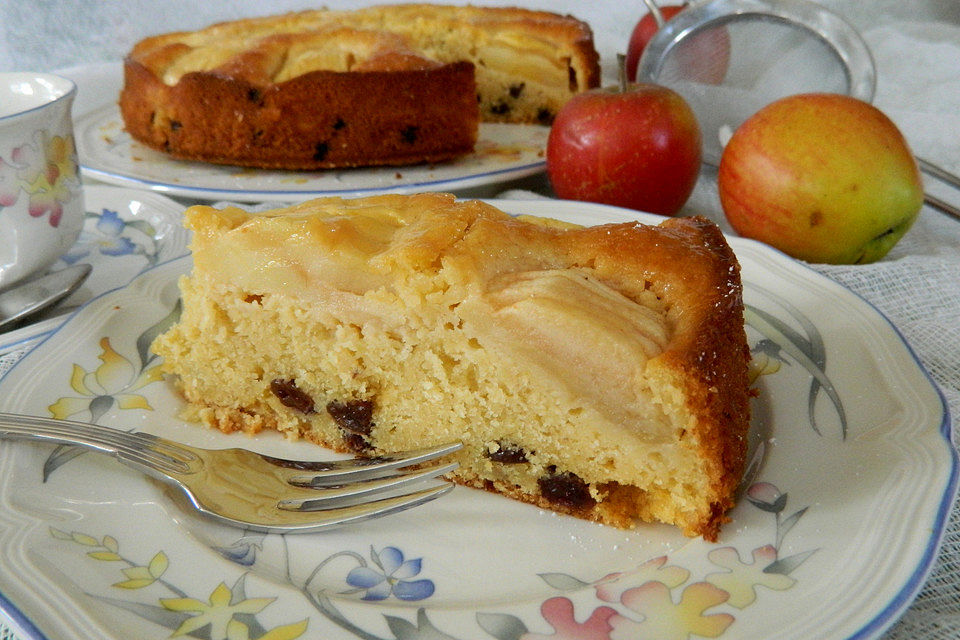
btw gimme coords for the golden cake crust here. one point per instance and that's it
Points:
(542, 324)
(391, 85)
(687, 263)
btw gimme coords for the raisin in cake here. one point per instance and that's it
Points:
(599, 372)
(387, 85)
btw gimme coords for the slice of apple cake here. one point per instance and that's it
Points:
(599, 372)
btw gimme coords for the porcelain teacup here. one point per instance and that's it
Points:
(41, 202)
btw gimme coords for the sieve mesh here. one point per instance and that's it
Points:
(729, 58)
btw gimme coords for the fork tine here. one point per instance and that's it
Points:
(341, 471)
(297, 522)
(332, 496)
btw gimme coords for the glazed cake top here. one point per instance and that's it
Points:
(277, 48)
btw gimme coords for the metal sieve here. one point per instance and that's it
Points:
(729, 58)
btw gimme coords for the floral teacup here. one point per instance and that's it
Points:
(41, 203)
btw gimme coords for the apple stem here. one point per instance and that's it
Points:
(655, 12)
(622, 72)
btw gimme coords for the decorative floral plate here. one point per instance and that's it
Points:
(504, 152)
(840, 518)
(124, 233)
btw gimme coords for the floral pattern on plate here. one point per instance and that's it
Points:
(869, 479)
(654, 601)
(125, 232)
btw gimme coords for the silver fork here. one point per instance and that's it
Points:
(255, 491)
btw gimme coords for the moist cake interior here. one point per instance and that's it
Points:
(598, 372)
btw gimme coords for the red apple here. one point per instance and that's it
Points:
(642, 33)
(700, 57)
(823, 177)
(637, 146)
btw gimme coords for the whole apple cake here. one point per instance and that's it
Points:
(385, 85)
(598, 372)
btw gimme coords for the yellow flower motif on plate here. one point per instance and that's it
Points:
(741, 578)
(219, 613)
(216, 617)
(236, 630)
(111, 383)
(665, 620)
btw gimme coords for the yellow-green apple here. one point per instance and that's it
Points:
(701, 57)
(635, 146)
(822, 177)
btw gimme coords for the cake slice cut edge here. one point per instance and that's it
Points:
(599, 372)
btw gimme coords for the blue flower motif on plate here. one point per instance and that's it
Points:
(390, 577)
(112, 236)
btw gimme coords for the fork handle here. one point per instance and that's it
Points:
(20, 427)
(143, 450)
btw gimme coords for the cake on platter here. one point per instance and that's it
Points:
(599, 372)
(382, 85)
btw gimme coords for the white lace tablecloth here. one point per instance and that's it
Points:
(916, 46)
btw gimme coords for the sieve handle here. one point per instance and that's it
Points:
(941, 174)
(655, 12)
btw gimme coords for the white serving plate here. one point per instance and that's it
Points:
(843, 511)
